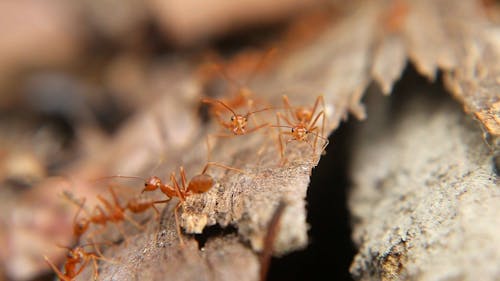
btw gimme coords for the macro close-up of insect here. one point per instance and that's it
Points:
(302, 122)
(77, 259)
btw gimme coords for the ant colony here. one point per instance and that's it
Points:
(237, 116)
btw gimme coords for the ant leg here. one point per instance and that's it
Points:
(285, 159)
(183, 178)
(82, 267)
(80, 207)
(157, 212)
(56, 270)
(257, 128)
(221, 121)
(220, 166)
(280, 140)
(100, 256)
(122, 232)
(177, 189)
(288, 107)
(134, 222)
(96, 268)
(218, 135)
(219, 102)
(250, 107)
(313, 127)
(321, 100)
(316, 103)
(323, 122)
(177, 223)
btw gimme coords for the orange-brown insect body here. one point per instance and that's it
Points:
(115, 212)
(238, 124)
(80, 227)
(200, 183)
(302, 122)
(76, 261)
(137, 207)
(152, 183)
(300, 132)
(99, 216)
(303, 115)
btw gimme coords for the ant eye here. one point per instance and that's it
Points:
(293, 130)
(232, 118)
(146, 184)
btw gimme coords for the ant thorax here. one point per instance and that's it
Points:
(239, 124)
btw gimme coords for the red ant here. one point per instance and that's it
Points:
(302, 122)
(81, 225)
(200, 183)
(116, 213)
(135, 205)
(238, 122)
(75, 257)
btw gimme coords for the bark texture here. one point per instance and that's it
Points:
(426, 199)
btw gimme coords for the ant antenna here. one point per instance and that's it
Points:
(257, 111)
(118, 176)
(207, 100)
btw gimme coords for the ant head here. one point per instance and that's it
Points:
(152, 183)
(299, 132)
(76, 253)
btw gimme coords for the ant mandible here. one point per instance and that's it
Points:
(200, 183)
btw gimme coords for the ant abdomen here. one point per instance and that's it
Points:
(201, 183)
